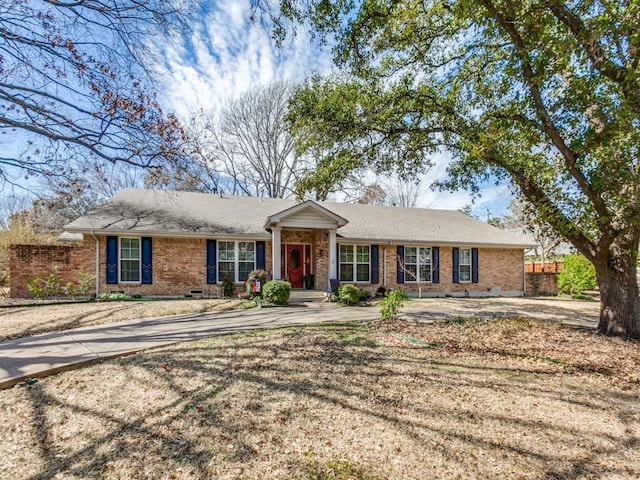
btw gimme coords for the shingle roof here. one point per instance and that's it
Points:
(158, 212)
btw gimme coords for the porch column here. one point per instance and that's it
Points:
(276, 235)
(333, 256)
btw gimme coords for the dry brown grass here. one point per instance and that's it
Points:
(503, 399)
(16, 322)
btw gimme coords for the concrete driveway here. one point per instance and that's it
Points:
(42, 355)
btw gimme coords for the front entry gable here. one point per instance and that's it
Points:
(304, 215)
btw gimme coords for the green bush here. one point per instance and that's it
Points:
(578, 275)
(52, 286)
(364, 295)
(391, 304)
(227, 288)
(348, 294)
(276, 292)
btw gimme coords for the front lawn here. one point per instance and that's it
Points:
(502, 399)
(16, 322)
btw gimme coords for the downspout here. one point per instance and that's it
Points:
(524, 276)
(98, 264)
(384, 263)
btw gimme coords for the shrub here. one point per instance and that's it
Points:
(578, 274)
(364, 295)
(52, 285)
(254, 275)
(113, 297)
(276, 292)
(348, 294)
(392, 303)
(86, 283)
(227, 288)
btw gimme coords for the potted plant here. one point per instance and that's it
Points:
(309, 280)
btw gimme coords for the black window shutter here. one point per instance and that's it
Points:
(212, 276)
(456, 265)
(260, 255)
(400, 273)
(112, 260)
(474, 265)
(375, 264)
(147, 261)
(435, 264)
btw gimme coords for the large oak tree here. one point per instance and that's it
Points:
(542, 94)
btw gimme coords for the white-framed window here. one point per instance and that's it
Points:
(355, 263)
(130, 262)
(464, 265)
(418, 264)
(236, 259)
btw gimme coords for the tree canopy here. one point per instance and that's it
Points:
(73, 84)
(542, 94)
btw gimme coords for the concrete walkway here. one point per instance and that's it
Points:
(42, 355)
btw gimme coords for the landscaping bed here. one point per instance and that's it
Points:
(503, 399)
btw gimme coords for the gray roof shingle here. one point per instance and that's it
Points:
(159, 212)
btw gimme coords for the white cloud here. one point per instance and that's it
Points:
(227, 54)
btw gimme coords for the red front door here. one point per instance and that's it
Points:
(295, 265)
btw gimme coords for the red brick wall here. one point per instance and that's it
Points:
(499, 270)
(27, 262)
(179, 266)
(542, 283)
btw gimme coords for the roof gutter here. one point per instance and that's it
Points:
(139, 233)
(428, 243)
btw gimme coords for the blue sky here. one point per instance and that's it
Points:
(228, 53)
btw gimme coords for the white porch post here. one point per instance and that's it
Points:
(276, 235)
(333, 257)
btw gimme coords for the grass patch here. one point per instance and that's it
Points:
(348, 402)
(22, 321)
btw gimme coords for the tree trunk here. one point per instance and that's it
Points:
(619, 300)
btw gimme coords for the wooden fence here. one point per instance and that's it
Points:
(549, 267)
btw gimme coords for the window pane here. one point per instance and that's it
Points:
(362, 253)
(244, 268)
(465, 256)
(410, 272)
(246, 251)
(130, 271)
(346, 253)
(410, 255)
(362, 272)
(130, 259)
(226, 271)
(425, 256)
(465, 273)
(346, 272)
(425, 273)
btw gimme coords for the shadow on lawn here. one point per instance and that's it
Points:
(229, 403)
(72, 321)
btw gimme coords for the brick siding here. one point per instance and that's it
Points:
(27, 262)
(542, 283)
(179, 266)
(499, 270)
